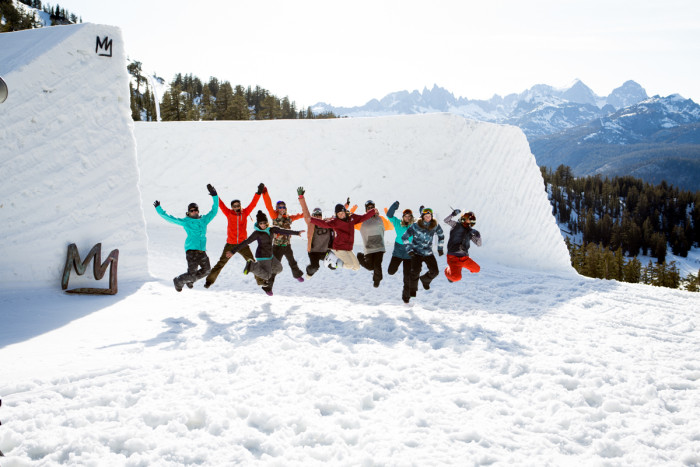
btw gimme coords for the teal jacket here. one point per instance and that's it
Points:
(196, 228)
(399, 248)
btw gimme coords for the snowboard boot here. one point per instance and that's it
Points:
(376, 283)
(267, 291)
(248, 265)
(178, 286)
(300, 279)
(425, 282)
(207, 285)
(190, 285)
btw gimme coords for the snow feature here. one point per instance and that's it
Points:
(437, 160)
(67, 155)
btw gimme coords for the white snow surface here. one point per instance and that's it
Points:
(524, 363)
(67, 156)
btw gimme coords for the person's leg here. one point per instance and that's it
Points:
(376, 262)
(406, 294)
(262, 270)
(471, 265)
(289, 254)
(364, 261)
(416, 266)
(431, 273)
(187, 277)
(315, 259)
(204, 266)
(275, 268)
(453, 271)
(211, 278)
(394, 265)
(348, 258)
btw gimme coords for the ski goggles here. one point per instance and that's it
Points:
(281, 205)
(317, 212)
(426, 211)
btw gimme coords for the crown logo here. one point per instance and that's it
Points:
(103, 48)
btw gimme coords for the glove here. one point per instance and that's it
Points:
(440, 252)
(300, 191)
(348, 201)
(156, 204)
(212, 191)
(420, 209)
(455, 212)
(261, 187)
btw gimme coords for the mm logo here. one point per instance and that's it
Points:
(103, 48)
(98, 269)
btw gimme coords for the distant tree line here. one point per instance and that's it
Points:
(624, 216)
(15, 20)
(143, 101)
(190, 99)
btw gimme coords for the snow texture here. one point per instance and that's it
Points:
(67, 155)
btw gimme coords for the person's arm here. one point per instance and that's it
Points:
(365, 216)
(406, 239)
(214, 209)
(172, 219)
(387, 224)
(448, 220)
(392, 209)
(294, 217)
(475, 237)
(251, 206)
(281, 231)
(245, 242)
(304, 208)
(325, 224)
(268, 204)
(224, 209)
(441, 240)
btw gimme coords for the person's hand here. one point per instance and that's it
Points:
(229, 254)
(440, 252)
(156, 204)
(348, 201)
(376, 211)
(212, 191)
(261, 187)
(420, 210)
(300, 191)
(301, 232)
(455, 212)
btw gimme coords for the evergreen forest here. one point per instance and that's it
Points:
(609, 222)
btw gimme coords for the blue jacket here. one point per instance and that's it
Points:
(196, 228)
(399, 248)
(422, 243)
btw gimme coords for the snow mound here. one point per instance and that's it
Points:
(67, 155)
(441, 161)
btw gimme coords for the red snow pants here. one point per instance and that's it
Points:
(453, 271)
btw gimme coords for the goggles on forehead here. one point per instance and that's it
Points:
(317, 212)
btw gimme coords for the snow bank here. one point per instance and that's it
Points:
(67, 155)
(438, 160)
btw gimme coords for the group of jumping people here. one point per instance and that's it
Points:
(330, 241)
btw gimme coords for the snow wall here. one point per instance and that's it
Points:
(438, 160)
(67, 156)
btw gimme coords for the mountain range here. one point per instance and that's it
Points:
(625, 133)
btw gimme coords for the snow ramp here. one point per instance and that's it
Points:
(437, 160)
(67, 155)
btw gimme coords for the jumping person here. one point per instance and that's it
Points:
(343, 224)
(420, 248)
(282, 243)
(458, 245)
(399, 256)
(319, 237)
(236, 232)
(266, 266)
(372, 231)
(198, 265)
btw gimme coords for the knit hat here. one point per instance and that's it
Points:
(407, 211)
(260, 217)
(192, 205)
(339, 207)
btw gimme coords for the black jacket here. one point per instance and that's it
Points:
(458, 244)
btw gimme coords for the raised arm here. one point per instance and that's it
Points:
(172, 219)
(448, 220)
(254, 202)
(268, 204)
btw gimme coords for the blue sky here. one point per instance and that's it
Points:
(346, 53)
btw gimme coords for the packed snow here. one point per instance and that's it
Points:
(523, 363)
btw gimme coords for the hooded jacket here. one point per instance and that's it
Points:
(196, 228)
(399, 248)
(319, 238)
(344, 229)
(237, 230)
(422, 233)
(458, 244)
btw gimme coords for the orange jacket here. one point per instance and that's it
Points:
(237, 221)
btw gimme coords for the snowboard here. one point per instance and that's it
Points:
(3, 91)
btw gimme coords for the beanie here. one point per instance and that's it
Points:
(260, 217)
(339, 207)
(192, 205)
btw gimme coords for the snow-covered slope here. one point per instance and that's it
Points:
(437, 160)
(67, 155)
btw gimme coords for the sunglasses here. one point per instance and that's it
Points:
(194, 210)
(236, 206)
(281, 206)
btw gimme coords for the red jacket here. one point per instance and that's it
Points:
(344, 230)
(237, 221)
